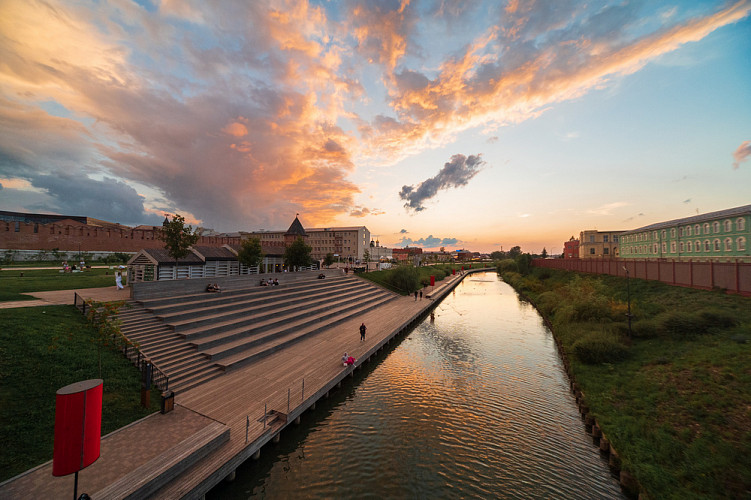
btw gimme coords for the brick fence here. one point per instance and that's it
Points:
(734, 277)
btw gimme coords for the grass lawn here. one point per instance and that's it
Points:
(13, 283)
(677, 405)
(43, 349)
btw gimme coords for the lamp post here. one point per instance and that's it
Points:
(628, 298)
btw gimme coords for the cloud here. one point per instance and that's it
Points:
(607, 209)
(364, 211)
(455, 173)
(742, 153)
(688, 200)
(403, 231)
(427, 242)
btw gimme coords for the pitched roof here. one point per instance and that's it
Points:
(730, 212)
(162, 256)
(296, 228)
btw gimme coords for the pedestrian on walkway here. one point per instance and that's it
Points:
(415, 295)
(420, 294)
(119, 280)
(362, 332)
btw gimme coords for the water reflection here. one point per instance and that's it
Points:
(472, 404)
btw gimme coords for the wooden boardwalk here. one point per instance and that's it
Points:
(288, 382)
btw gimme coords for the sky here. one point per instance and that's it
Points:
(476, 125)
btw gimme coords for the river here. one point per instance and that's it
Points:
(471, 404)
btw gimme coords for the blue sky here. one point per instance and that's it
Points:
(474, 125)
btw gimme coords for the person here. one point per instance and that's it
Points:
(270, 282)
(119, 280)
(420, 294)
(350, 361)
(276, 281)
(344, 359)
(415, 295)
(362, 332)
(263, 283)
(82, 265)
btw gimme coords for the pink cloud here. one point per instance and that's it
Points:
(742, 153)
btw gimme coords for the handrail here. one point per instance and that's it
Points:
(133, 354)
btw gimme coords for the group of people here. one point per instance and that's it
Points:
(269, 282)
(68, 268)
(213, 287)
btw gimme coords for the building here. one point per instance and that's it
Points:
(379, 254)
(347, 244)
(595, 244)
(715, 236)
(571, 249)
(407, 254)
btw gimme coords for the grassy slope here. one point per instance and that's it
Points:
(13, 285)
(43, 349)
(678, 410)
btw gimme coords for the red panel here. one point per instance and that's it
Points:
(78, 426)
(432, 281)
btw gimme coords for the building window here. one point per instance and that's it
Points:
(707, 247)
(604, 238)
(728, 226)
(740, 224)
(728, 244)
(615, 238)
(682, 247)
(716, 227)
(664, 234)
(717, 245)
(664, 247)
(18, 226)
(688, 230)
(689, 246)
(672, 232)
(672, 247)
(680, 231)
(697, 229)
(654, 235)
(697, 245)
(605, 251)
(592, 239)
(740, 243)
(706, 228)
(654, 249)
(591, 251)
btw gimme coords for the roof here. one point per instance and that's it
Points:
(721, 214)
(296, 228)
(160, 255)
(215, 253)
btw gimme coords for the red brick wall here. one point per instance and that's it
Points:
(73, 236)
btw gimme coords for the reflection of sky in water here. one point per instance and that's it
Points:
(473, 404)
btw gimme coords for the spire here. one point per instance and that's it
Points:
(296, 228)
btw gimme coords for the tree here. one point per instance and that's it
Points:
(250, 254)
(544, 253)
(514, 252)
(366, 257)
(177, 237)
(297, 254)
(328, 260)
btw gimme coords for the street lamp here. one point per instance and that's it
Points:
(628, 297)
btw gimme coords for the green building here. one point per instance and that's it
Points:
(716, 236)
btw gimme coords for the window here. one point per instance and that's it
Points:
(688, 230)
(697, 246)
(707, 248)
(672, 232)
(604, 238)
(717, 243)
(615, 238)
(740, 244)
(728, 226)
(654, 248)
(682, 247)
(664, 234)
(18, 226)
(605, 251)
(740, 224)
(664, 247)
(654, 235)
(689, 246)
(672, 247)
(697, 230)
(680, 231)
(728, 244)
(716, 226)
(706, 228)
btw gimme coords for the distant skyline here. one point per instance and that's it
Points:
(475, 125)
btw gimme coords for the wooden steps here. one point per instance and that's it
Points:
(196, 337)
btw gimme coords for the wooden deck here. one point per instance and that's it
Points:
(297, 376)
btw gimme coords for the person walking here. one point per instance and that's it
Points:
(119, 280)
(362, 332)
(420, 294)
(415, 295)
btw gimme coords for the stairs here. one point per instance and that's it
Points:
(195, 338)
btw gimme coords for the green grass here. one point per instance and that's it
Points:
(440, 271)
(677, 407)
(43, 349)
(13, 282)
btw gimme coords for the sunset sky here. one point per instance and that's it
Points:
(463, 124)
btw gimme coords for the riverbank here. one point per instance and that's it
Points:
(672, 396)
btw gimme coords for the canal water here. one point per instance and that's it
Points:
(471, 404)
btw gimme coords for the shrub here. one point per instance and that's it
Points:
(599, 347)
(680, 325)
(715, 318)
(506, 266)
(405, 278)
(645, 329)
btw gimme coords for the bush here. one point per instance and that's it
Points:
(506, 266)
(645, 329)
(681, 325)
(715, 318)
(599, 347)
(405, 278)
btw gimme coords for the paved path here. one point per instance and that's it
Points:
(232, 399)
(65, 297)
